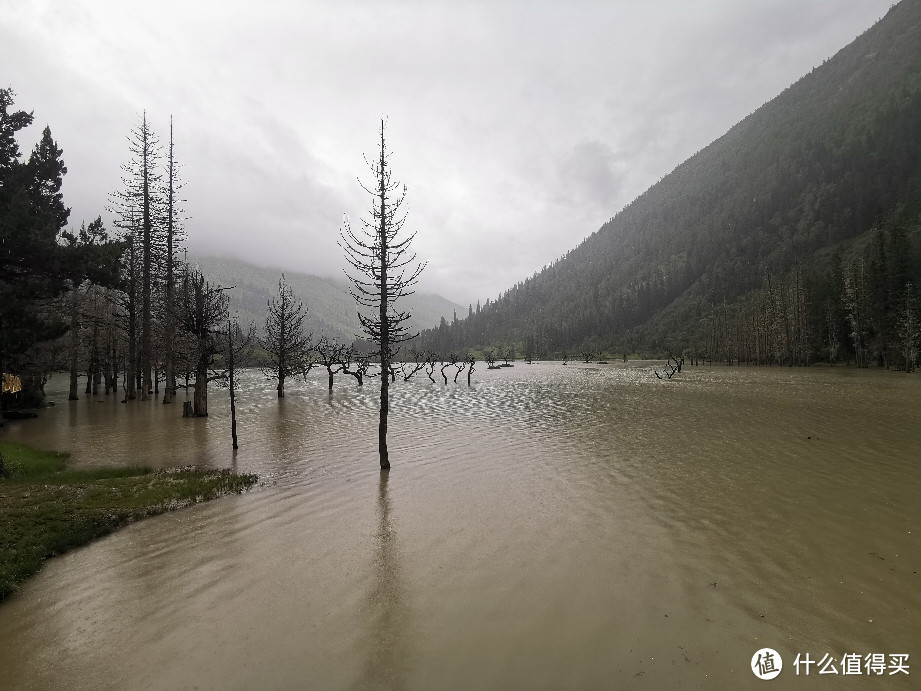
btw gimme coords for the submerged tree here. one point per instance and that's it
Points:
(174, 236)
(287, 344)
(202, 314)
(385, 269)
(332, 355)
(136, 208)
(237, 348)
(94, 257)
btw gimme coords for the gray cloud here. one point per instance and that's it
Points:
(518, 127)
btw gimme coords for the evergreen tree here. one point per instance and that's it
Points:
(34, 266)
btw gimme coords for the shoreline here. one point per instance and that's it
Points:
(47, 509)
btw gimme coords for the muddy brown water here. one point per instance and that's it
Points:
(552, 527)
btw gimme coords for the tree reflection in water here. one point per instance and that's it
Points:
(385, 608)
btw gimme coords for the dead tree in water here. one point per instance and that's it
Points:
(385, 269)
(236, 348)
(136, 208)
(671, 369)
(452, 358)
(459, 365)
(431, 361)
(331, 355)
(175, 233)
(471, 361)
(287, 344)
(202, 312)
(420, 360)
(361, 363)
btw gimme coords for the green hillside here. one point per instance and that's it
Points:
(331, 310)
(817, 190)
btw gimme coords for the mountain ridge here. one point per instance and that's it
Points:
(331, 311)
(832, 157)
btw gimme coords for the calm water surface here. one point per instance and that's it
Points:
(552, 527)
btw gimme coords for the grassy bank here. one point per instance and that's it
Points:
(47, 509)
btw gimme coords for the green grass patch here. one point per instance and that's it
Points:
(47, 509)
(23, 461)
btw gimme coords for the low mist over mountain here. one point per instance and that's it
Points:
(796, 234)
(331, 309)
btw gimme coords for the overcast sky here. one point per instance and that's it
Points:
(518, 127)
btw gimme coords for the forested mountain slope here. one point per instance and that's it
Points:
(331, 310)
(825, 175)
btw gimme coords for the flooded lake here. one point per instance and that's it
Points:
(551, 527)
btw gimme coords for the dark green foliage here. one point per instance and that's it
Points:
(809, 174)
(35, 266)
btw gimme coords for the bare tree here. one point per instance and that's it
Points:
(331, 355)
(459, 365)
(174, 234)
(202, 313)
(287, 344)
(420, 360)
(135, 207)
(384, 270)
(452, 358)
(431, 362)
(360, 362)
(671, 369)
(90, 246)
(237, 347)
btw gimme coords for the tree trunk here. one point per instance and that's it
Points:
(97, 375)
(169, 366)
(74, 346)
(382, 426)
(131, 365)
(146, 277)
(113, 364)
(200, 398)
(233, 396)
